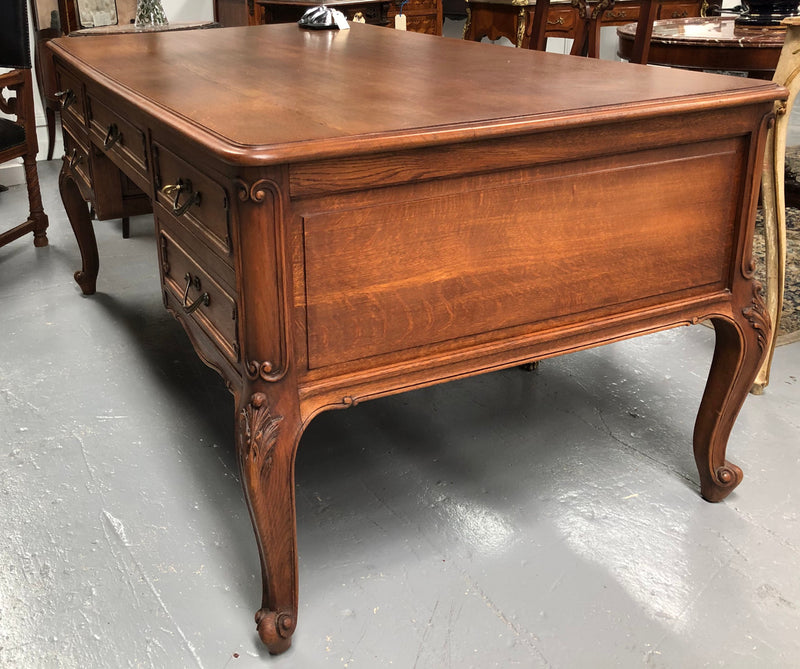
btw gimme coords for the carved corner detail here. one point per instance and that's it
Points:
(263, 370)
(256, 192)
(758, 316)
(259, 434)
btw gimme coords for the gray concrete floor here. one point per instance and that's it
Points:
(546, 519)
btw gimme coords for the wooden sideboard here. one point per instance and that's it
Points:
(374, 12)
(500, 18)
(424, 16)
(367, 239)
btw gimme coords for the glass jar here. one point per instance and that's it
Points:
(150, 13)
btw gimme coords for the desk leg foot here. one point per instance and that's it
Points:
(272, 627)
(740, 348)
(268, 434)
(78, 214)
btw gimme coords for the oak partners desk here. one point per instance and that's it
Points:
(346, 215)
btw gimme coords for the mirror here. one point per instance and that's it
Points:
(96, 13)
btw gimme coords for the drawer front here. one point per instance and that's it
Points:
(73, 100)
(371, 14)
(420, 6)
(560, 20)
(209, 305)
(197, 199)
(677, 11)
(422, 16)
(78, 155)
(621, 14)
(122, 141)
(423, 24)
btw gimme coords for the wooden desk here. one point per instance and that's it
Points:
(713, 43)
(367, 238)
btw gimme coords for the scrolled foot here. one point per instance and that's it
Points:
(87, 283)
(275, 629)
(725, 479)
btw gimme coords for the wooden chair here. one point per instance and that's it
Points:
(773, 198)
(18, 136)
(526, 22)
(587, 32)
(523, 22)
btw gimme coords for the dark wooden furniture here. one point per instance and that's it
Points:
(367, 239)
(119, 197)
(238, 13)
(423, 16)
(374, 12)
(713, 43)
(580, 20)
(54, 18)
(526, 23)
(18, 135)
(51, 19)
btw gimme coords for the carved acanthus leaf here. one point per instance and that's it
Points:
(259, 433)
(758, 316)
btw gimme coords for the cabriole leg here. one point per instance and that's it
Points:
(267, 441)
(78, 214)
(739, 351)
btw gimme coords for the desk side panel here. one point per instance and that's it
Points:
(562, 242)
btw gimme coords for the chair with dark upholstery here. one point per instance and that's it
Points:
(18, 136)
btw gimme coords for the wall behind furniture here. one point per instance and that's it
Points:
(177, 11)
(183, 11)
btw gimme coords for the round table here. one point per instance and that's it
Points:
(709, 43)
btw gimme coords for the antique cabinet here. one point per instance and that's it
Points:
(563, 17)
(423, 16)
(374, 12)
(238, 12)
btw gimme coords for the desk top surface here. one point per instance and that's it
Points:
(277, 93)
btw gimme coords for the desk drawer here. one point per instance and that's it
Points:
(73, 100)
(121, 140)
(425, 23)
(78, 155)
(210, 306)
(621, 14)
(420, 6)
(561, 20)
(201, 204)
(677, 11)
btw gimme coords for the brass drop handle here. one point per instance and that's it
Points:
(183, 186)
(75, 159)
(112, 136)
(203, 300)
(67, 97)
